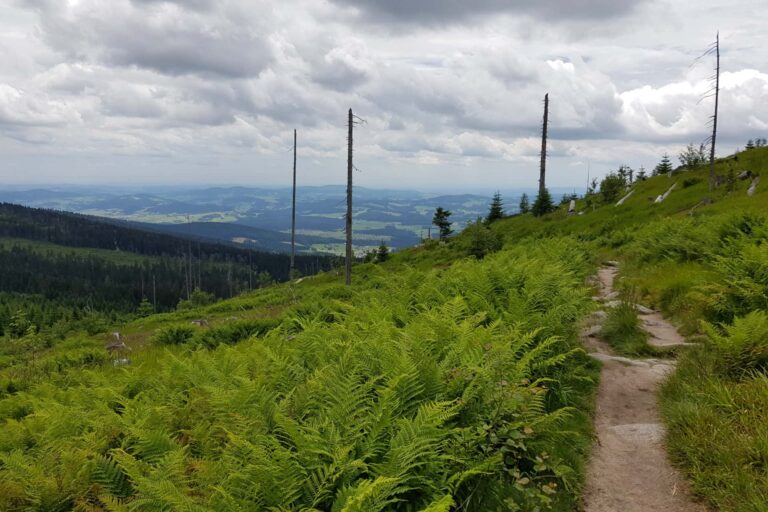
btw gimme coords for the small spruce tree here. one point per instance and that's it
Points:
(664, 167)
(543, 204)
(525, 206)
(382, 254)
(145, 308)
(496, 210)
(440, 219)
(750, 145)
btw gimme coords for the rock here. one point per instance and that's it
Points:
(593, 331)
(644, 310)
(613, 304)
(599, 315)
(745, 175)
(638, 432)
(610, 296)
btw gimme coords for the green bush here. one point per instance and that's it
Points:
(742, 348)
(479, 240)
(689, 182)
(612, 187)
(235, 332)
(678, 240)
(174, 335)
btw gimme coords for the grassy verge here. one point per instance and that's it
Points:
(718, 431)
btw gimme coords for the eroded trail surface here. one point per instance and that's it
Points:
(629, 470)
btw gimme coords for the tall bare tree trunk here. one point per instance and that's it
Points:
(348, 266)
(714, 118)
(293, 212)
(543, 167)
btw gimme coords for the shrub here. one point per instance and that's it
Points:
(689, 182)
(174, 335)
(676, 240)
(611, 187)
(236, 332)
(197, 299)
(479, 240)
(742, 347)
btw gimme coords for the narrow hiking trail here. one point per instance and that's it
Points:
(629, 470)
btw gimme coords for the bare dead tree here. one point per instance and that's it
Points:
(199, 267)
(348, 263)
(293, 211)
(714, 48)
(353, 119)
(543, 166)
(714, 116)
(190, 270)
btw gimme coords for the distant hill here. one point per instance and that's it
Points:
(261, 217)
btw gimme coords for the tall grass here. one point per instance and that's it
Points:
(622, 331)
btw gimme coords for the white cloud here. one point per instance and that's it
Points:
(207, 91)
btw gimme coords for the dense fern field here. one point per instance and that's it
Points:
(458, 388)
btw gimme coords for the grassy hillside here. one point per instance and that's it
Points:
(438, 381)
(702, 258)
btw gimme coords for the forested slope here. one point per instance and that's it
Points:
(59, 267)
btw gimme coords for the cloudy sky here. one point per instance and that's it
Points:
(209, 91)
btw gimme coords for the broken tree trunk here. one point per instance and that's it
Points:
(753, 187)
(293, 213)
(663, 196)
(543, 165)
(348, 262)
(621, 201)
(712, 183)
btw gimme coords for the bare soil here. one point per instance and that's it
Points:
(629, 470)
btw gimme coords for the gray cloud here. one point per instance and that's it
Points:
(166, 37)
(221, 84)
(438, 12)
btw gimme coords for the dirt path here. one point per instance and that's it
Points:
(629, 470)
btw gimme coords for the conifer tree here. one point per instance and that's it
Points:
(664, 167)
(382, 254)
(440, 219)
(525, 206)
(750, 145)
(543, 204)
(496, 210)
